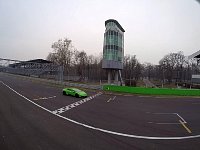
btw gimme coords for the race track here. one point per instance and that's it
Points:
(36, 116)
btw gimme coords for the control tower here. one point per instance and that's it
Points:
(113, 50)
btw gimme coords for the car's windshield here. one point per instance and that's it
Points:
(77, 90)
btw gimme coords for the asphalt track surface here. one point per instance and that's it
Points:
(36, 116)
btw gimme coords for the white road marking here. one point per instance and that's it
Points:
(171, 114)
(161, 97)
(144, 96)
(119, 94)
(111, 99)
(128, 95)
(73, 105)
(42, 98)
(25, 97)
(182, 120)
(197, 97)
(186, 128)
(104, 130)
(196, 103)
(168, 123)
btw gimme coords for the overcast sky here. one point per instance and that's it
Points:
(153, 28)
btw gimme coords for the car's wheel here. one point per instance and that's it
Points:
(76, 95)
(64, 93)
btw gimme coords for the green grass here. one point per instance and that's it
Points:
(152, 91)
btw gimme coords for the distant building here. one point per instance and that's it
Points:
(195, 77)
(113, 49)
(195, 55)
(30, 63)
(34, 67)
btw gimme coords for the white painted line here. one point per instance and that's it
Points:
(42, 98)
(104, 130)
(111, 99)
(144, 96)
(186, 128)
(161, 97)
(162, 113)
(163, 123)
(196, 103)
(25, 97)
(128, 95)
(196, 97)
(183, 120)
(73, 105)
(119, 94)
(168, 123)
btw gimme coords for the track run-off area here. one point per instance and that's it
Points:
(36, 115)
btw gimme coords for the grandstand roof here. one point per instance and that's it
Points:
(195, 55)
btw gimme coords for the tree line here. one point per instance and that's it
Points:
(173, 67)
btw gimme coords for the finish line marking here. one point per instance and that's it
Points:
(104, 130)
(73, 105)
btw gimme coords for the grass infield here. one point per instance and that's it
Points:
(152, 91)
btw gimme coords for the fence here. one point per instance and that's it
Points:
(41, 70)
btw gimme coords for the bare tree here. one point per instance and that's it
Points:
(52, 57)
(81, 63)
(132, 70)
(173, 65)
(62, 53)
(148, 70)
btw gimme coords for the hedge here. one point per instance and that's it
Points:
(152, 91)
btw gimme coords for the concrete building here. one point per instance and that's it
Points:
(196, 77)
(113, 50)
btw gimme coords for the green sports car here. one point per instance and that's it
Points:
(74, 92)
